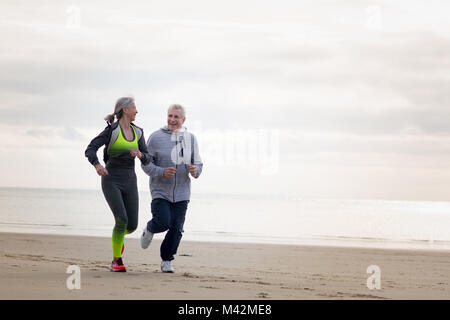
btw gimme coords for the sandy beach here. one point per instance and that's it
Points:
(34, 267)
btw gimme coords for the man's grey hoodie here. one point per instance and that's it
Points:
(172, 149)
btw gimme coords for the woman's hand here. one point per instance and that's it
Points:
(135, 153)
(101, 171)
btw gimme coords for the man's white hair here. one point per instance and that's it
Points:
(178, 107)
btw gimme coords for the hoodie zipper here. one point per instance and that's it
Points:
(176, 167)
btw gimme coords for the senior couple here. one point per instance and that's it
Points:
(169, 157)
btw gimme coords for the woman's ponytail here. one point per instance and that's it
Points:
(110, 118)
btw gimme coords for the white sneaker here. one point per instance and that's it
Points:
(146, 238)
(167, 267)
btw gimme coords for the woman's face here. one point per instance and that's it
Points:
(130, 112)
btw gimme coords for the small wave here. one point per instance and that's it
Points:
(33, 224)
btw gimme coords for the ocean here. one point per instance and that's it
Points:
(241, 218)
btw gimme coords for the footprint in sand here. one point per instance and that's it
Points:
(189, 275)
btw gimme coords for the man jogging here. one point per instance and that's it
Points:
(174, 155)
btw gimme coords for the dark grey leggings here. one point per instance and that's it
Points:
(121, 193)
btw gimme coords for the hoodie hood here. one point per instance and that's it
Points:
(167, 130)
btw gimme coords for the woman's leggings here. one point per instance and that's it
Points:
(121, 193)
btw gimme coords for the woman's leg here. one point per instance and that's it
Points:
(131, 202)
(114, 197)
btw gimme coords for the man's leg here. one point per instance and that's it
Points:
(161, 216)
(173, 237)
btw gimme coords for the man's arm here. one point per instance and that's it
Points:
(196, 160)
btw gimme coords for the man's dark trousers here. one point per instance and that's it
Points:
(168, 216)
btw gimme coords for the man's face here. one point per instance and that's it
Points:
(174, 119)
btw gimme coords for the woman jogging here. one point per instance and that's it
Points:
(123, 141)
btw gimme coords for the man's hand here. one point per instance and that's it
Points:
(192, 170)
(169, 172)
(101, 171)
(135, 153)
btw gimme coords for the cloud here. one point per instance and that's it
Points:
(38, 133)
(340, 94)
(366, 85)
(55, 135)
(359, 88)
(72, 134)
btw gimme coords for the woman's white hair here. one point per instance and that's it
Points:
(121, 103)
(178, 107)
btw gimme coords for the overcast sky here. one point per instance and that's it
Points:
(308, 98)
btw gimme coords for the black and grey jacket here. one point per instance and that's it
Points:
(107, 138)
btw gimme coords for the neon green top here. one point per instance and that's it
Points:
(122, 145)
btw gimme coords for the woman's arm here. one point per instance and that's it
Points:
(145, 157)
(95, 144)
